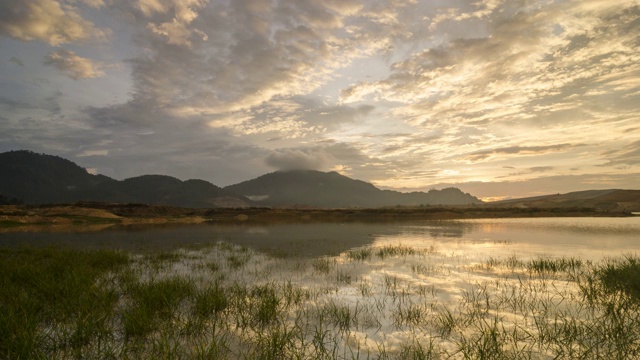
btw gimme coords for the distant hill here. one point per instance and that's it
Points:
(332, 190)
(611, 199)
(165, 190)
(39, 178)
(31, 178)
(34, 178)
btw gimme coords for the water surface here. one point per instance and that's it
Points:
(589, 238)
(373, 288)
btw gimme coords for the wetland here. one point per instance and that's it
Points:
(521, 288)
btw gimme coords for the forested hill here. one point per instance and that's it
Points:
(34, 178)
(43, 179)
(330, 189)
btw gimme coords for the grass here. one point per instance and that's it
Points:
(360, 254)
(323, 265)
(227, 302)
(152, 302)
(210, 301)
(621, 276)
(66, 288)
(394, 250)
(563, 264)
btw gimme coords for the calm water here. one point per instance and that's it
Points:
(451, 279)
(590, 238)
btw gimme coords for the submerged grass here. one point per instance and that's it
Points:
(394, 250)
(621, 276)
(152, 302)
(67, 289)
(547, 265)
(228, 302)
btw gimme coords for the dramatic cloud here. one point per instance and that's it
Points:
(296, 160)
(181, 13)
(50, 21)
(516, 150)
(74, 66)
(527, 64)
(406, 94)
(628, 155)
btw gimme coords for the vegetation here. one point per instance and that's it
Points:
(333, 190)
(389, 302)
(46, 179)
(34, 178)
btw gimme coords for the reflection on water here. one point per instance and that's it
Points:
(438, 286)
(590, 238)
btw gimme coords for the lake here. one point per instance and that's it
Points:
(590, 238)
(472, 289)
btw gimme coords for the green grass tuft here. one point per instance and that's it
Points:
(621, 275)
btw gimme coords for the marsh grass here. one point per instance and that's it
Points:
(228, 302)
(323, 265)
(57, 287)
(394, 250)
(360, 254)
(152, 302)
(210, 301)
(159, 260)
(557, 265)
(621, 275)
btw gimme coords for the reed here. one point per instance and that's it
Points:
(394, 250)
(63, 303)
(361, 254)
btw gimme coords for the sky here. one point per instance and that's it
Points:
(501, 98)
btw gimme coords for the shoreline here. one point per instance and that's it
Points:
(102, 215)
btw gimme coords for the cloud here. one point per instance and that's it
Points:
(86, 153)
(296, 117)
(16, 61)
(92, 3)
(50, 105)
(517, 150)
(244, 65)
(628, 155)
(172, 19)
(538, 169)
(74, 66)
(348, 159)
(215, 59)
(297, 159)
(52, 22)
(391, 91)
(514, 63)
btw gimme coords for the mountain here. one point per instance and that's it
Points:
(39, 178)
(611, 199)
(34, 178)
(332, 190)
(165, 190)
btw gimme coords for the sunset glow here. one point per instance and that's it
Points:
(501, 98)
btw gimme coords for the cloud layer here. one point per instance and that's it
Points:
(50, 21)
(74, 66)
(406, 94)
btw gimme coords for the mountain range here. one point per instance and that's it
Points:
(333, 190)
(34, 178)
(604, 200)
